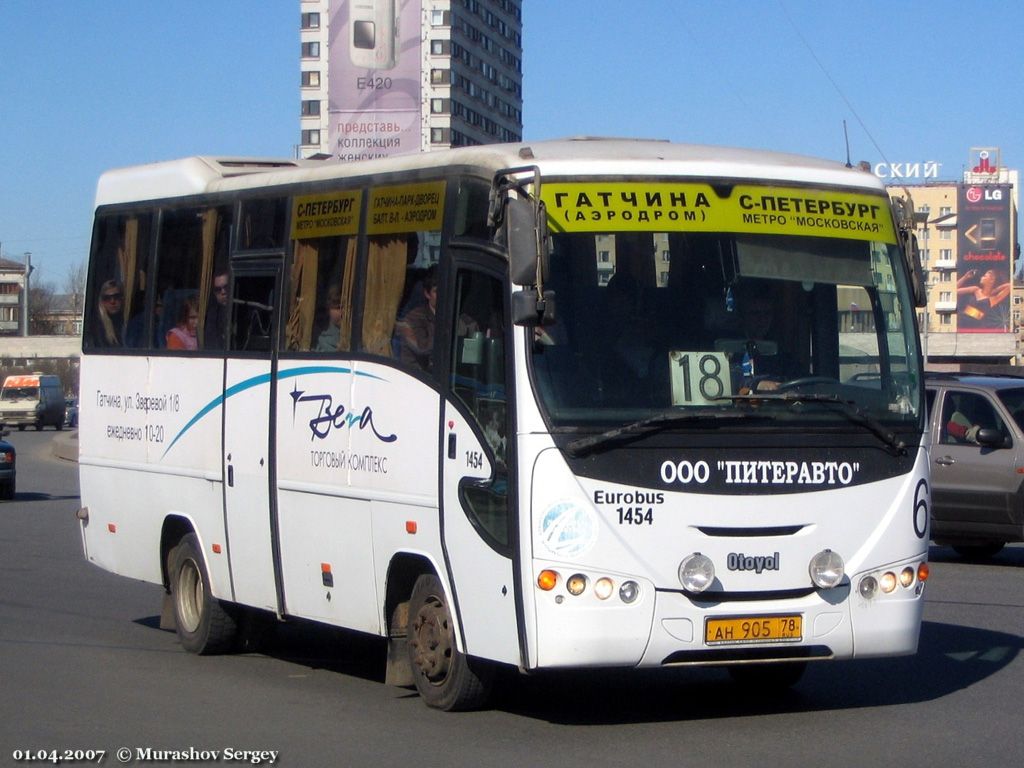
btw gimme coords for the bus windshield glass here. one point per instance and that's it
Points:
(741, 320)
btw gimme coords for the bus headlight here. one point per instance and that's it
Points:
(696, 572)
(827, 569)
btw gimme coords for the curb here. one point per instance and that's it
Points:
(65, 446)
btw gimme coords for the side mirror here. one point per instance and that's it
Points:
(527, 238)
(991, 438)
(917, 279)
(906, 219)
(530, 311)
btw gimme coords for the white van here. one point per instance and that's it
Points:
(32, 399)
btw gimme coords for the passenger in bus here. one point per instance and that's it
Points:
(183, 335)
(135, 332)
(415, 331)
(109, 330)
(217, 313)
(330, 338)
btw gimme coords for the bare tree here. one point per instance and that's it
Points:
(42, 302)
(74, 285)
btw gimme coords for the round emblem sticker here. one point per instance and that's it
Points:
(567, 530)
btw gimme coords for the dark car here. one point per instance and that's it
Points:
(7, 467)
(977, 461)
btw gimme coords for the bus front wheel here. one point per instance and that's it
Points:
(202, 623)
(444, 676)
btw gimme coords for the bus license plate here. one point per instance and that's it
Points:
(754, 629)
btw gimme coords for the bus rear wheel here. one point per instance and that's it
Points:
(444, 676)
(203, 624)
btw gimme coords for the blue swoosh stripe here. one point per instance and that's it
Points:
(256, 381)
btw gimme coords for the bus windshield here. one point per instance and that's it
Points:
(726, 324)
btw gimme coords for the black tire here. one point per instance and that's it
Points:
(444, 677)
(7, 490)
(203, 624)
(979, 551)
(768, 677)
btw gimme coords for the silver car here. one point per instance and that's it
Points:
(977, 431)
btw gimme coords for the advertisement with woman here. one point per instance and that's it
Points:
(983, 284)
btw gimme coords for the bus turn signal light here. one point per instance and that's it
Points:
(547, 580)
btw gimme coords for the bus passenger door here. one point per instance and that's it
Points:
(249, 384)
(476, 508)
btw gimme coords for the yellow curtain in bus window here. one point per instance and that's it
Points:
(406, 208)
(326, 215)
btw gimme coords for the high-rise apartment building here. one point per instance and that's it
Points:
(384, 77)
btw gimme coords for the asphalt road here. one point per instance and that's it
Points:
(84, 666)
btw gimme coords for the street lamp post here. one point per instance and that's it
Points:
(28, 272)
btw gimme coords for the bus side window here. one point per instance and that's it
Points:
(321, 280)
(253, 313)
(478, 355)
(477, 378)
(191, 242)
(120, 265)
(398, 319)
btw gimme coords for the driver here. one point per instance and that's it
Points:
(763, 366)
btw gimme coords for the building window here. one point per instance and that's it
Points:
(310, 107)
(311, 21)
(311, 79)
(440, 18)
(440, 47)
(440, 106)
(311, 50)
(311, 137)
(440, 135)
(440, 76)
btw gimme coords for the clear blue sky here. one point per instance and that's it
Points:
(86, 86)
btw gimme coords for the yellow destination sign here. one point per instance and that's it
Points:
(326, 215)
(695, 207)
(406, 208)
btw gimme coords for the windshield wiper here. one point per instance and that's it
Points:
(637, 429)
(848, 408)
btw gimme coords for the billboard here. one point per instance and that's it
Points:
(983, 265)
(374, 78)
